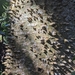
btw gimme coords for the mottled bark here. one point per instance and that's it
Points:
(41, 37)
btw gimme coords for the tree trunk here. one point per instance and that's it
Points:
(40, 40)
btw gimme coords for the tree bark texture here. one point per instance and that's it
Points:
(42, 37)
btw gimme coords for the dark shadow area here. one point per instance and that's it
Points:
(2, 54)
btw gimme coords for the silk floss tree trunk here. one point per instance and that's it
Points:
(30, 31)
(32, 40)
